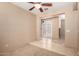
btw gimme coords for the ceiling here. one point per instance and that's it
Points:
(56, 6)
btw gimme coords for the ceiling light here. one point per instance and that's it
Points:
(37, 6)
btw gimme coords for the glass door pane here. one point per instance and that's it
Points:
(47, 29)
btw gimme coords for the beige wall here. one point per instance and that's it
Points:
(71, 24)
(55, 28)
(17, 27)
(38, 22)
(71, 34)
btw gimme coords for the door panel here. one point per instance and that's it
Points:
(47, 29)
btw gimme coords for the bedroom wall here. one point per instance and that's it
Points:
(71, 26)
(71, 34)
(17, 27)
(55, 28)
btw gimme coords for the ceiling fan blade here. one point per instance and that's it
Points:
(32, 2)
(31, 8)
(41, 10)
(47, 4)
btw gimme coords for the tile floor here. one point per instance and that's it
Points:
(54, 46)
(42, 48)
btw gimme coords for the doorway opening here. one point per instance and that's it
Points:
(46, 29)
(62, 26)
(53, 28)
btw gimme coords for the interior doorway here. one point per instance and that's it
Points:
(54, 28)
(50, 28)
(62, 26)
(46, 28)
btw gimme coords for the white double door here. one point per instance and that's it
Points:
(50, 28)
(47, 29)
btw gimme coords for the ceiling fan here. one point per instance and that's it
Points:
(38, 5)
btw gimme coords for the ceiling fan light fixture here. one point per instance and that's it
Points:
(37, 6)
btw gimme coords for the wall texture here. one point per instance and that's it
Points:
(17, 27)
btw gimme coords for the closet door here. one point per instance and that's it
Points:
(55, 28)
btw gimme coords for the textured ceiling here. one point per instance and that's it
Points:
(56, 6)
